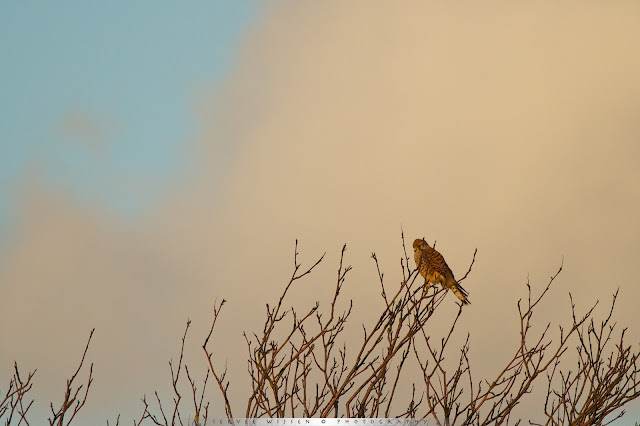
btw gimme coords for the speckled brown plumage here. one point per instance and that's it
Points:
(434, 269)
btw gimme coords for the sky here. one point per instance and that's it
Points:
(157, 158)
(96, 96)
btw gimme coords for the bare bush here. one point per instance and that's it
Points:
(307, 373)
(15, 404)
(301, 364)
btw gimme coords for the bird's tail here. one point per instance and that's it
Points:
(460, 292)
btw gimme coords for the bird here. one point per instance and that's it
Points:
(434, 269)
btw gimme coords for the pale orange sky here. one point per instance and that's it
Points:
(508, 127)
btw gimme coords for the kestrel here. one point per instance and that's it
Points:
(434, 269)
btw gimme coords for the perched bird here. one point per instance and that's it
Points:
(434, 269)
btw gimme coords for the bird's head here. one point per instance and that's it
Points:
(419, 245)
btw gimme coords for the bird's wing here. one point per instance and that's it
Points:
(437, 262)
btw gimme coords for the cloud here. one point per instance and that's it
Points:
(511, 128)
(79, 126)
(468, 125)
